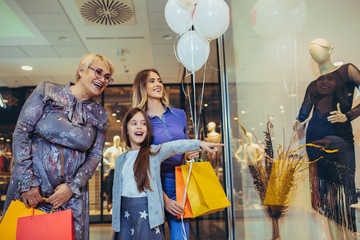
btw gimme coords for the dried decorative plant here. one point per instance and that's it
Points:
(275, 177)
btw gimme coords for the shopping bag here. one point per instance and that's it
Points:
(205, 192)
(15, 210)
(180, 190)
(55, 226)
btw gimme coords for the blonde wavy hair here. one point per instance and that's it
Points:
(138, 94)
(89, 59)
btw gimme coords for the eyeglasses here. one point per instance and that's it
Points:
(100, 74)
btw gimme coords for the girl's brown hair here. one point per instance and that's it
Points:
(139, 95)
(142, 162)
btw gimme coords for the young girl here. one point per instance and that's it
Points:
(138, 206)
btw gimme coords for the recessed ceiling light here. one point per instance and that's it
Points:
(64, 39)
(113, 114)
(167, 37)
(118, 120)
(27, 68)
(338, 63)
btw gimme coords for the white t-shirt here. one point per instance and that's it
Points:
(129, 188)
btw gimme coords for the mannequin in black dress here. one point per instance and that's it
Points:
(333, 176)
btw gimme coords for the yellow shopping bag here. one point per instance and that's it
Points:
(205, 192)
(15, 210)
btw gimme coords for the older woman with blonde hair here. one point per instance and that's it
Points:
(58, 143)
(168, 124)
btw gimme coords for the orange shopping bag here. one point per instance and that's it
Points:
(180, 190)
(55, 226)
(15, 210)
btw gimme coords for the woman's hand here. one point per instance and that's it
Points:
(297, 126)
(211, 147)
(193, 154)
(32, 197)
(172, 206)
(337, 116)
(61, 196)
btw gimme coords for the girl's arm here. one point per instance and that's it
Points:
(168, 149)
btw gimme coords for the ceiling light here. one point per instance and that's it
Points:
(206, 105)
(243, 112)
(281, 107)
(338, 63)
(107, 143)
(64, 39)
(114, 114)
(167, 37)
(118, 120)
(27, 68)
(293, 95)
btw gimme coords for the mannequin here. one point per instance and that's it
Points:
(330, 98)
(111, 154)
(214, 159)
(212, 135)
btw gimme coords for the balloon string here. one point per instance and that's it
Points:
(201, 99)
(175, 52)
(208, 61)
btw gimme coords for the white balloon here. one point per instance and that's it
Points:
(297, 17)
(281, 51)
(269, 18)
(178, 16)
(192, 51)
(292, 3)
(211, 18)
(189, 2)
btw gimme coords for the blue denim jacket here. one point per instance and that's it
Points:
(155, 197)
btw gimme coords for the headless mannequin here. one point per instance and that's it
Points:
(113, 152)
(252, 150)
(213, 136)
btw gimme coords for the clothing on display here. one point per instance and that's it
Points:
(331, 96)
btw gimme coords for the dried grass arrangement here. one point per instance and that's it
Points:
(275, 178)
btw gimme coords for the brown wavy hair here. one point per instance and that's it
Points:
(138, 94)
(142, 162)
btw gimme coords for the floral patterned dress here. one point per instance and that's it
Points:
(52, 123)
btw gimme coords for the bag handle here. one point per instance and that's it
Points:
(188, 159)
(61, 153)
(33, 209)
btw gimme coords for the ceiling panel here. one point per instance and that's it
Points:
(12, 52)
(39, 6)
(51, 22)
(70, 51)
(40, 51)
